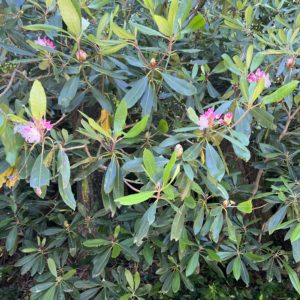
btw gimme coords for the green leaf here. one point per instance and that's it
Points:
(120, 117)
(63, 167)
(245, 207)
(100, 262)
(110, 175)
(68, 91)
(163, 25)
(168, 168)
(179, 85)
(50, 294)
(11, 240)
(40, 175)
(136, 92)
(176, 282)
(66, 193)
(37, 100)
(134, 198)
(137, 128)
(41, 287)
(96, 243)
(295, 233)
(192, 115)
(192, 264)
(230, 65)
(281, 93)
(147, 30)
(149, 163)
(129, 278)
(178, 223)
(260, 86)
(214, 163)
(257, 60)
(237, 268)
(122, 33)
(70, 16)
(293, 277)
(195, 24)
(52, 266)
(172, 14)
(192, 152)
(277, 219)
(264, 118)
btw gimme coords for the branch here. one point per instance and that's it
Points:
(9, 84)
(288, 122)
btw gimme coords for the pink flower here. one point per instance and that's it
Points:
(46, 124)
(33, 132)
(44, 41)
(207, 119)
(228, 118)
(258, 75)
(29, 132)
(203, 122)
(252, 77)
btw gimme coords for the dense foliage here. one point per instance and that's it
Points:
(149, 149)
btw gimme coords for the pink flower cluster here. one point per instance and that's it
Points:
(44, 41)
(33, 131)
(209, 119)
(258, 75)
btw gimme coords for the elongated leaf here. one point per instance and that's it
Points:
(120, 117)
(37, 100)
(179, 85)
(68, 91)
(149, 162)
(214, 163)
(96, 243)
(63, 166)
(52, 266)
(110, 175)
(293, 277)
(192, 264)
(137, 128)
(40, 175)
(134, 198)
(122, 33)
(281, 93)
(178, 223)
(245, 207)
(100, 262)
(295, 233)
(70, 16)
(147, 30)
(136, 92)
(66, 193)
(163, 25)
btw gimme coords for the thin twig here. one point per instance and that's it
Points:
(9, 84)
(33, 78)
(288, 122)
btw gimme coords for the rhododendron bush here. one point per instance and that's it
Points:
(149, 149)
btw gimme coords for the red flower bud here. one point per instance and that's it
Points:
(81, 55)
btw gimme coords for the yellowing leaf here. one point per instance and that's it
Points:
(37, 100)
(104, 120)
(163, 25)
(122, 33)
(70, 16)
(9, 177)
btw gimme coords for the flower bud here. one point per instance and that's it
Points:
(38, 191)
(228, 118)
(81, 55)
(153, 62)
(291, 62)
(179, 151)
